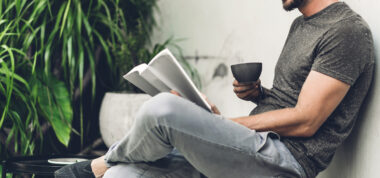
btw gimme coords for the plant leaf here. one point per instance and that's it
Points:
(54, 100)
(65, 17)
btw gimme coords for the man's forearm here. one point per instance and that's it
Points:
(286, 122)
(314, 105)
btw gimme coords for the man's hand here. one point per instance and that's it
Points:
(247, 91)
(214, 109)
(175, 93)
(99, 167)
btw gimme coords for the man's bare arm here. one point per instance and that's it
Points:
(319, 97)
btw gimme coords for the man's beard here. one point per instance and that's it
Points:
(292, 5)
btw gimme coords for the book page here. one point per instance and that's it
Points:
(134, 77)
(169, 71)
(154, 80)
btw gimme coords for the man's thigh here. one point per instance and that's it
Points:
(214, 145)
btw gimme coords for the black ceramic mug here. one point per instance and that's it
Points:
(247, 72)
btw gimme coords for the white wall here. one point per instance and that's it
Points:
(247, 30)
(234, 31)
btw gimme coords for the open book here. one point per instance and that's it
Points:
(162, 74)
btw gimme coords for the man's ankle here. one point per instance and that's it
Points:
(99, 166)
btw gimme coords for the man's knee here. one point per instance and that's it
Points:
(161, 106)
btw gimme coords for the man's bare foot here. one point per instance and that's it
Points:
(99, 167)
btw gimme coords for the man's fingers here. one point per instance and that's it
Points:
(246, 91)
(244, 95)
(243, 89)
(248, 95)
(215, 110)
(175, 92)
(235, 83)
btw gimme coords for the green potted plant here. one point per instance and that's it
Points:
(54, 57)
(123, 101)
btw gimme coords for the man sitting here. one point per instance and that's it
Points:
(321, 79)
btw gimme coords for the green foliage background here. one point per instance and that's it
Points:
(54, 57)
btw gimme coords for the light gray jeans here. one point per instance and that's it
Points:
(174, 138)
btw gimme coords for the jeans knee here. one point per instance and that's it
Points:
(161, 106)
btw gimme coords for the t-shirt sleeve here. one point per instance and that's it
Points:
(343, 52)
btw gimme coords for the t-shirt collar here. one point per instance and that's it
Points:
(323, 11)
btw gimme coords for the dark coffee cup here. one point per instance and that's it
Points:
(247, 72)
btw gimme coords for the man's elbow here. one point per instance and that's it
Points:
(309, 128)
(307, 132)
(307, 123)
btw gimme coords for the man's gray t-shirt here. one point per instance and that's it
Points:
(335, 42)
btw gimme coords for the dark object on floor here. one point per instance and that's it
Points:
(37, 165)
(77, 170)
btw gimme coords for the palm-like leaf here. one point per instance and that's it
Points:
(49, 51)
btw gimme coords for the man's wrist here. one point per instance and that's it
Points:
(260, 96)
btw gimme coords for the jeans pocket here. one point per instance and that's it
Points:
(266, 148)
(263, 141)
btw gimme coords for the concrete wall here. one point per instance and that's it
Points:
(233, 31)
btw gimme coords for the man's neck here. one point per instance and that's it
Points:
(311, 7)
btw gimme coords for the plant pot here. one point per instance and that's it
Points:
(117, 114)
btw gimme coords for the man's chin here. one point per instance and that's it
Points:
(290, 5)
(288, 8)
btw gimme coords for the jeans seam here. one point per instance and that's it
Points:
(257, 155)
(139, 142)
(150, 130)
(217, 144)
